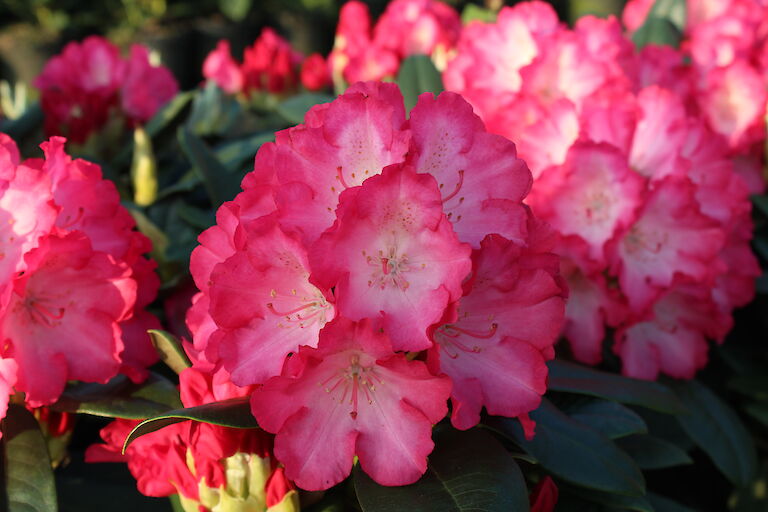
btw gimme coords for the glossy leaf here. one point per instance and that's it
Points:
(574, 378)
(168, 113)
(611, 418)
(29, 485)
(235, 413)
(418, 75)
(575, 452)
(610, 501)
(468, 471)
(233, 154)
(130, 401)
(718, 431)
(663, 504)
(220, 184)
(294, 108)
(653, 453)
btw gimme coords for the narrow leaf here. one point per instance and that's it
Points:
(610, 418)
(653, 453)
(718, 431)
(418, 75)
(232, 154)
(294, 108)
(220, 184)
(170, 350)
(575, 452)
(29, 484)
(573, 378)
(168, 113)
(663, 504)
(235, 413)
(468, 471)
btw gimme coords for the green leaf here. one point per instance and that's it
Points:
(294, 108)
(758, 412)
(755, 386)
(418, 75)
(573, 378)
(130, 401)
(234, 153)
(235, 413)
(236, 10)
(664, 24)
(610, 418)
(220, 184)
(653, 453)
(213, 111)
(473, 12)
(29, 485)
(170, 350)
(468, 471)
(718, 431)
(168, 113)
(575, 452)
(663, 504)
(609, 500)
(761, 202)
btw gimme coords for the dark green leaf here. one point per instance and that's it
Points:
(575, 452)
(220, 184)
(213, 111)
(718, 431)
(236, 10)
(663, 25)
(611, 418)
(758, 411)
(653, 453)
(168, 113)
(468, 471)
(662, 504)
(29, 484)
(294, 108)
(131, 401)
(573, 378)
(234, 153)
(196, 217)
(762, 203)
(473, 12)
(235, 413)
(418, 75)
(609, 500)
(755, 386)
(29, 120)
(170, 350)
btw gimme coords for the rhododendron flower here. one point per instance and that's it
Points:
(407, 27)
(220, 67)
(352, 396)
(315, 74)
(270, 64)
(635, 158)
(350, 246)
(74, 280)
(543, 497)
(8, 368)
(90, 82)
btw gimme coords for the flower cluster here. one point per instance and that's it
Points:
(407, 27)
(73, 279)
(269, 65)
(89, 84)
(631, 170)
(726, 43)
(208, 466)
(373, 267)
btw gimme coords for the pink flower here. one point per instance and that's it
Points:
(220, 67)
(146, 87)
(270, 65)
(543, 497)
(8, 369)
(411, 27)
(494, 346)
(90, 82)
(62, 319)
(352, 396)
(315, 75)
(393, 255)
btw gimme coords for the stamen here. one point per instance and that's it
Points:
(474, 334)
(274, 311)
(340, 177)
(456, 190)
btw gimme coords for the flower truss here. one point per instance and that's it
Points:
(73, 279)
(89, 83)
(636, 171)
(372, 268)
(407, 27)
(269, 65)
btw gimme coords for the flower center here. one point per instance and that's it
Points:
(389, 269)
(638, 240)
(348, 384)
(42, 312)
